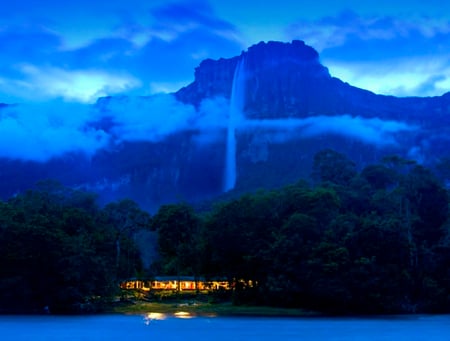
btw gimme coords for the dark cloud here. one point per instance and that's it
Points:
(196, 13)
(176, 59)
(430, 85)
(56, 10)
(25, 43)
(135, 56)
(384, 54)
(106, 53)
(353, 37)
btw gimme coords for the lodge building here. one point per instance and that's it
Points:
(175, 283)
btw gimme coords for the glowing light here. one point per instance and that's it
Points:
(183, 315)
(154, 316)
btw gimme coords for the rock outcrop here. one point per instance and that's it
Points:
(287, 80)
(293, 108)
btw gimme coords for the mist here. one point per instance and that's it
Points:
(372, 131)
(41, 131)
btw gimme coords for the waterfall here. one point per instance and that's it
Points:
(236, 112)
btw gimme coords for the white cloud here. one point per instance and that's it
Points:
(411, 77)
(166, 87)
(74, 85)
(368, 130)
(387, 55)
(155, 117)
(41, 131)
(149, 118)
(329, 32)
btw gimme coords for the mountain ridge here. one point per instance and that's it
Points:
(214, 78)
(293, 108)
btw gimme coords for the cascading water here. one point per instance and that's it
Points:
(235, 114)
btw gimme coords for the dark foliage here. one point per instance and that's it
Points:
(59, 250)
(369, 241)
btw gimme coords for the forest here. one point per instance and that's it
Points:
(61, 252)
(368, 242)
(347, 241)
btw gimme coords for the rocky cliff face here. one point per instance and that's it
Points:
(293, 108)
(287, 80)
(279, 79)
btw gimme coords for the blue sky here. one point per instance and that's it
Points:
(79, 50)
(57, 57)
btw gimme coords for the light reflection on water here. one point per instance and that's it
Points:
(149, 317)
(183, 315)
(172, 327)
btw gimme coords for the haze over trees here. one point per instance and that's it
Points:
(371, 240)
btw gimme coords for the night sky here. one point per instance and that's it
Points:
(58, 57)
(83, 49)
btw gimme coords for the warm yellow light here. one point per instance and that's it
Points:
(183, 314)
(154, 316)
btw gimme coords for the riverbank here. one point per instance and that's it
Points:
(195, 308)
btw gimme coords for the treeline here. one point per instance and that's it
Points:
(374, 240)
(369, 241)
(61, 252)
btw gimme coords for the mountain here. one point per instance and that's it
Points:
(287, 80)
(287, 107)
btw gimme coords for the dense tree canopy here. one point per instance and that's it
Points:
(374, 240)
(58, 249)
(371, 241)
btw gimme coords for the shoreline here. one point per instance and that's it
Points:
(208, 309)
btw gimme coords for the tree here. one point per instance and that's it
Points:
(331, 166)
(125, 219)
(379, 176)
(178, 229)
(289, 279)
(429, 201)
(57, 249)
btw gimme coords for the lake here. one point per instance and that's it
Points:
(185, 327)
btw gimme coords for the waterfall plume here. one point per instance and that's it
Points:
(235, 114)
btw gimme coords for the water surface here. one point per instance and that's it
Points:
(139, 327)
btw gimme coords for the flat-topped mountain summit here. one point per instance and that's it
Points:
(290, 107)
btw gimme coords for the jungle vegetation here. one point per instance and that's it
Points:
(61, 252)
(368, 241)
(371, 240)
